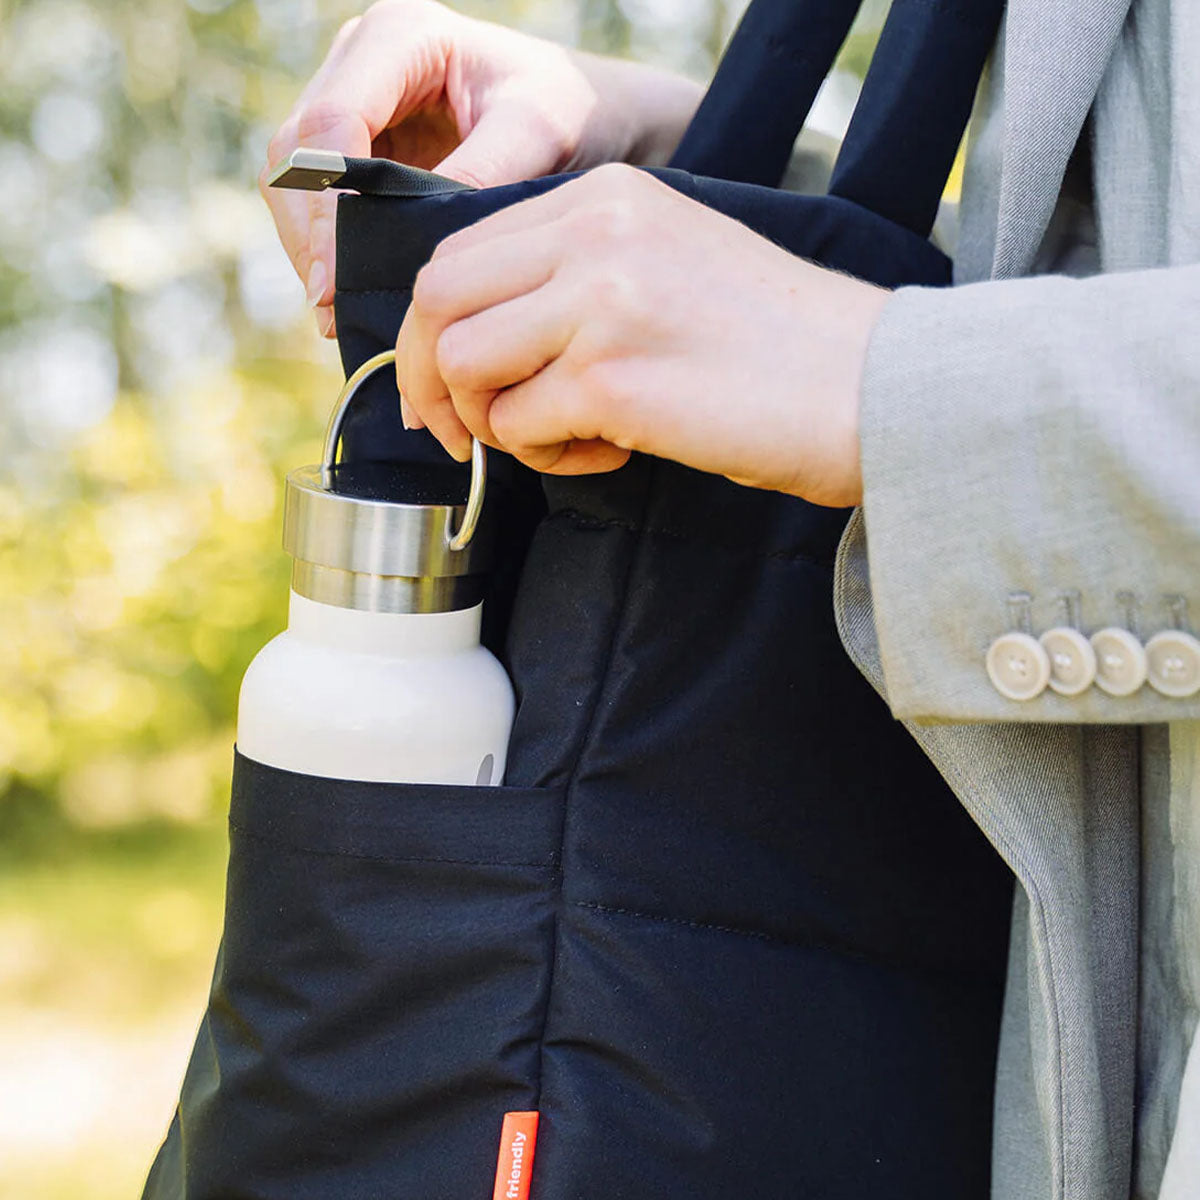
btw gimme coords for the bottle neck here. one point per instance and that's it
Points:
(400, 634)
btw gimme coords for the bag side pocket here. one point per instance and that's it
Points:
(379, 994)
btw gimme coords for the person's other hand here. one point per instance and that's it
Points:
(417, 82)
(614, 314)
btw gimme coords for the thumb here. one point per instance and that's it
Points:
(510, 142)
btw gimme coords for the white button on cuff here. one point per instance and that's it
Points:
(1072, 660)
(1174, 663)
(1120, 661)
(1018, 666)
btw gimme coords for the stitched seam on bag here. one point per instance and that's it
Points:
(333, 852)
(584, 742)
(613, 911)
(818, 945)
(583, 521)
(400, 291)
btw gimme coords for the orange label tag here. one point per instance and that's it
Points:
(515, 1164)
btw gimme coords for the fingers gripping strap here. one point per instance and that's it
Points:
(914, 107)
(764, 87)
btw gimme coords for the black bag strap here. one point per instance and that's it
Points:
(763, 89)
(907, 124)
(914, 107)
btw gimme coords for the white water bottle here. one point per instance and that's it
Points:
(380, 674)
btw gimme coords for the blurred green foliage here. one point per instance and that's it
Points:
(157, 381)
(132, 604)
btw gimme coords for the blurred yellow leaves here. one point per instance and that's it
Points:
(120, 790)
(154, 50)
(131, 252)
(140, 251)
(174, 921)
(131, 606)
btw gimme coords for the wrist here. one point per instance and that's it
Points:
(643, 110)
(871, 302)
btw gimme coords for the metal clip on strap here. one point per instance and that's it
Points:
(315, 170)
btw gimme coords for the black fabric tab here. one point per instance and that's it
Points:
(383, 177)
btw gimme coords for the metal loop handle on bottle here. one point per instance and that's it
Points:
(333, 436)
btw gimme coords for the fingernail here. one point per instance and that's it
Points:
(404, 414)
(324, 320)
(317, 278)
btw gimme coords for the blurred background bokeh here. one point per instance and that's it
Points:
(159, 373)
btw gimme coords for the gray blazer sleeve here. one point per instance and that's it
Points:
(1035, 435)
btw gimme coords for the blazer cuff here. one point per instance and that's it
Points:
(991, 430)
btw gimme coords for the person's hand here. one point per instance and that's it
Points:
(417, 82)
(614, 314)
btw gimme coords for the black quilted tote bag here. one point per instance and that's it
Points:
(724, 927)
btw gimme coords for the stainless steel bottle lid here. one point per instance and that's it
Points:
(356, 546)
